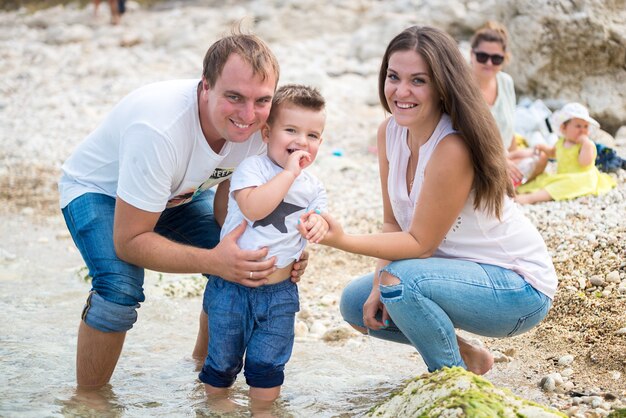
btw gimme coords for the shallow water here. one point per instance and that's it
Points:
(41, 295)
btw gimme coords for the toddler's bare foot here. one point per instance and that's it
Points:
(478, 360)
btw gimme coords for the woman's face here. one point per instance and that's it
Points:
(492, 51)
(409, 89)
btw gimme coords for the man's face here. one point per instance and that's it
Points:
(237, 105)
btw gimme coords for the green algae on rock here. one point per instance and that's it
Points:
(455, 392)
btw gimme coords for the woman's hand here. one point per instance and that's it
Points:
(371, 307)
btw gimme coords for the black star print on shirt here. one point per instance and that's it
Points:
(277, 217)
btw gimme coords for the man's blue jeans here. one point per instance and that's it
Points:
(117, 286)
(437, 295)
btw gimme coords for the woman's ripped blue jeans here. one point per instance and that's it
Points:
(433, 296)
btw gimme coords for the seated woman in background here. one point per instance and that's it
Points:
(455, 251)
(489, 54)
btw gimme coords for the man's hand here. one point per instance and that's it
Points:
(299, 267)
(246, 267)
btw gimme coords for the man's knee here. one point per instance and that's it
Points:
(107, 316)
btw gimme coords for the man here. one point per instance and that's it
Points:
(137, 192)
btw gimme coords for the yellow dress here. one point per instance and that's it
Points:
(571, 179)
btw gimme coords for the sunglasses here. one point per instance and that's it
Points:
(483, 57)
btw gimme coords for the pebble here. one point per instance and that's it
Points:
(596, 280)
(499, 357)
(317, 328)
(613, 277)
(621, 331)
(548, 384)
(566, 360)
(5, 255)
(301, 329)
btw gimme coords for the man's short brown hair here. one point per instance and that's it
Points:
(249, 47)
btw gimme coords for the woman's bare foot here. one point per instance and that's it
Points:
(478, 360)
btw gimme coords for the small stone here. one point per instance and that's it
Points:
(511, 352)
(317, 328)
(621, 331)
(613, 277)
(596, 402)
(558, 379)
(597, 280)
(566, 360)
(567, 372)
(499, 357)
(615, 375)
(304, 314)
(327, 300)
(567, 386)
(548, 384)
(5, 255)
(338, 334)
(301, 329)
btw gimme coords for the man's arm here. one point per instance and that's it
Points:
(137, 243)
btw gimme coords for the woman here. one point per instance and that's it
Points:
(489, 54)
(454, 250)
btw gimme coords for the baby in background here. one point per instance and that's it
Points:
(575, 155)
(270, 192)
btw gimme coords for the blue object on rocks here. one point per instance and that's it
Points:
(338, 152)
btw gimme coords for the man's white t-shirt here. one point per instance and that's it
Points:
(150, 151)
(279, 230)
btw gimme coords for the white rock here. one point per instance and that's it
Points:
(499, 357)
(301, 329)
(621, 331)
(566, 360)
(6, 255)
(548, 384)
(558, 379)
(613, 277)
(317, 328)
(596, 280)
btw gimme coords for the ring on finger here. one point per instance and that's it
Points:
(250, 276)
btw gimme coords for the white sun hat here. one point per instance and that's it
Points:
(571, 111)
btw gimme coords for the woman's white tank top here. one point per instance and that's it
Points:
(511, 242)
